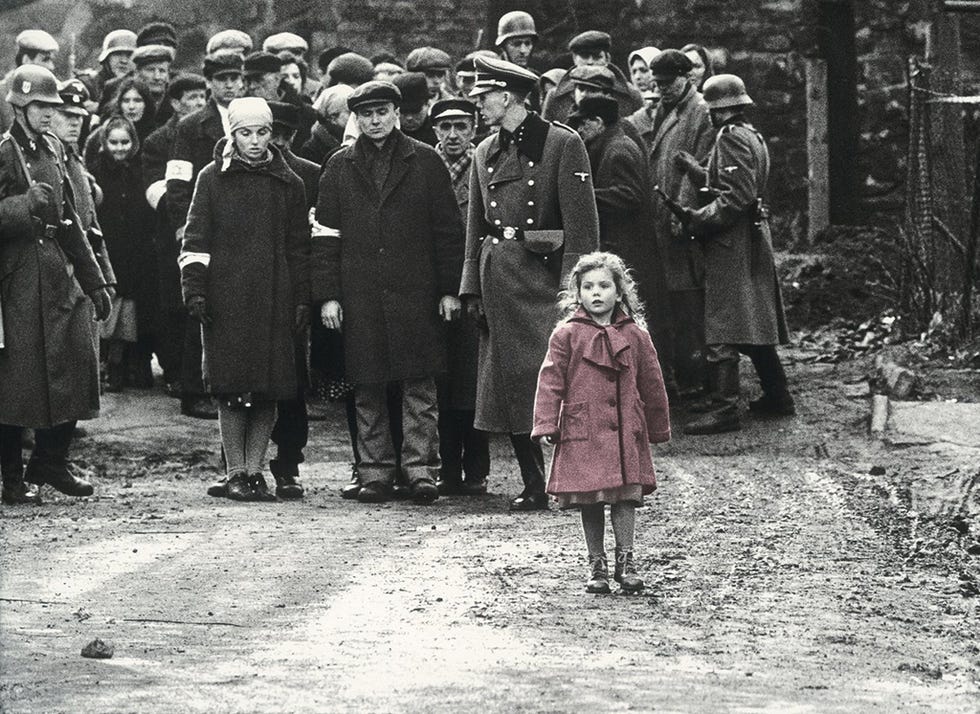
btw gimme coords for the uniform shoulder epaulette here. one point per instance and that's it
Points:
(562, 126)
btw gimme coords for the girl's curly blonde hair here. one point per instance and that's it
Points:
(568, 299)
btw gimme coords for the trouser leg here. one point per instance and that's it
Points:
(420, 429)
(291, 433)
(767, 365)
(374, 438)
(350, 408)
(192, 380)
(594, 528)
(261, 418)
(233, 424)
(530, 459)
(476, 448)
(687, 343)
(11, 453)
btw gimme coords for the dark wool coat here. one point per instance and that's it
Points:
(742, 300)
(561, 101)
(519, 288)
(623, 196)
(600, 391)
(154, 155)
(320, 145)
(246, 250)
(127, 228)
(49, 371)
(192, 150)
(398, 252)
(685, 127)
(82, 191)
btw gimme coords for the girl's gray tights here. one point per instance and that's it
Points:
(245, 435)
(623, 516)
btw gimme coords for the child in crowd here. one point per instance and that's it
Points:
(600, 400)
(245, 275)
(126, 221)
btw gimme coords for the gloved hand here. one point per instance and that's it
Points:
(685, 162)
(197, 306)
(302, 318)
(40, 196)
(102, 303)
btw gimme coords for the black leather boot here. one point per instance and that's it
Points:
(285, 475)
(260, 489)
(58, 475)
(598, 575)
(725, 416)
(239, 487)
(530, 458)
(353, 488)
(625, 573)
(776, 399)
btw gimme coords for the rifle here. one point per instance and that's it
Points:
(680, 212)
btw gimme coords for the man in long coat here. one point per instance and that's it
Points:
(681, 123)
(531, 214)
(386, 266)
(192, 150)
(49, 282)
(743, 305)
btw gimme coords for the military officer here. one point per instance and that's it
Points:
(49, 371)
(532, 212)
(743, 305)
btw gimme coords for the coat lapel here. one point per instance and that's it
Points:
(507, 167)
(401, 159)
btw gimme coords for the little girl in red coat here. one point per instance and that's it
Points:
(601, 402)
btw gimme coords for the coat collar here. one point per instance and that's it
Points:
(277, 167)
(402, 153)
(597, 147)
(672, 117)
(530, 139)
(607, 347)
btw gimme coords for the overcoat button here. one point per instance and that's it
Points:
(531, 182)
(530, 221)
(493, 204)
(496, 222)
(489, 169)
(496, 240)
(530, 163)
(615, 427)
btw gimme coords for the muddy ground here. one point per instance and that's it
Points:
(782, 575)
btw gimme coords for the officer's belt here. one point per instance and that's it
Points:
(542, 242)
(505, 233)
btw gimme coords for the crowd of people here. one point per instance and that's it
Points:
(394, 232)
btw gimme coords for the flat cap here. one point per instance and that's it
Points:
(147, 54)
(423, 59)
(374, 92)
(229, 40)
(74, 95)
(350, 68)
(157, 33)
(285, 42)
(185, 82)
(493, 74)
(590, 41)
(36, 41)
(223, 62)
(600, 78)
(452, 108)
(286, 114)
(552, 76)
(670, 64)
(117, 41)
(414, 91)
(261, 63)
(606, 108)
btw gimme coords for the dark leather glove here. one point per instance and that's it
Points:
(197, 306)
(102, 303)
(302, 318)
(40, 196)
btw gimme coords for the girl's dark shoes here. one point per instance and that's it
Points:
(260, 490)
(599, 576)
(625, 573)
(239, 488)
(535, 501)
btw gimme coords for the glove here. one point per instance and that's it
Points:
(683, 161)
(197, 306)
(40, 196)
(302, 318)
(102, 303)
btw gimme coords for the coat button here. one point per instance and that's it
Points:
(489, 169)
(493, 204)
(612, 402)
(530, 221)
(530, 203)
(496, 222)
(611, 378)
(614, 427)
(530, 163)
(531, 182)
(496, 240)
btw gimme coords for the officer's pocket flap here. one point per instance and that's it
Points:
(544, 242)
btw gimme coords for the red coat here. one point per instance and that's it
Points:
(601, 392)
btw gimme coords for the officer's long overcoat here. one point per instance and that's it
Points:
(49, 370)
(519, 288)
(743, 304)
(389, 257)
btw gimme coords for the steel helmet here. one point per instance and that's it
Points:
(33, 83)
(516, 23)
(725, 90)
(117, 41)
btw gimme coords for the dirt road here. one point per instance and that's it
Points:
(781, 576)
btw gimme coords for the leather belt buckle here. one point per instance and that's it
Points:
(510, 233)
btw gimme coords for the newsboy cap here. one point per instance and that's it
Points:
(224, 62)
(261, 63)
(235, 40)
(493, 74)
(423, 59)
(350, 68)
(374, 92)
(185, 82)
(590, 41)
(147, 54)
(285, 42)
(414, 91)
(670, 64)
(600, 78)
(157, 33)
(452, 108)
(36, 41)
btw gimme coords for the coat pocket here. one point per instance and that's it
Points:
(574, 422)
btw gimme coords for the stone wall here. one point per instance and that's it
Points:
(765, 41)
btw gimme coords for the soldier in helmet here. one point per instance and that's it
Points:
(115, 60)
(49, 372)
(743, 305)
(516, 38)
(33, 47)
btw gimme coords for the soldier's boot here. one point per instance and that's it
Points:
(776, 399)
(725, 416)
(353, 488)
(625, 573)
(598, 575)
(16, 491)
(285, 475)
(59, 475)
(530, 459)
